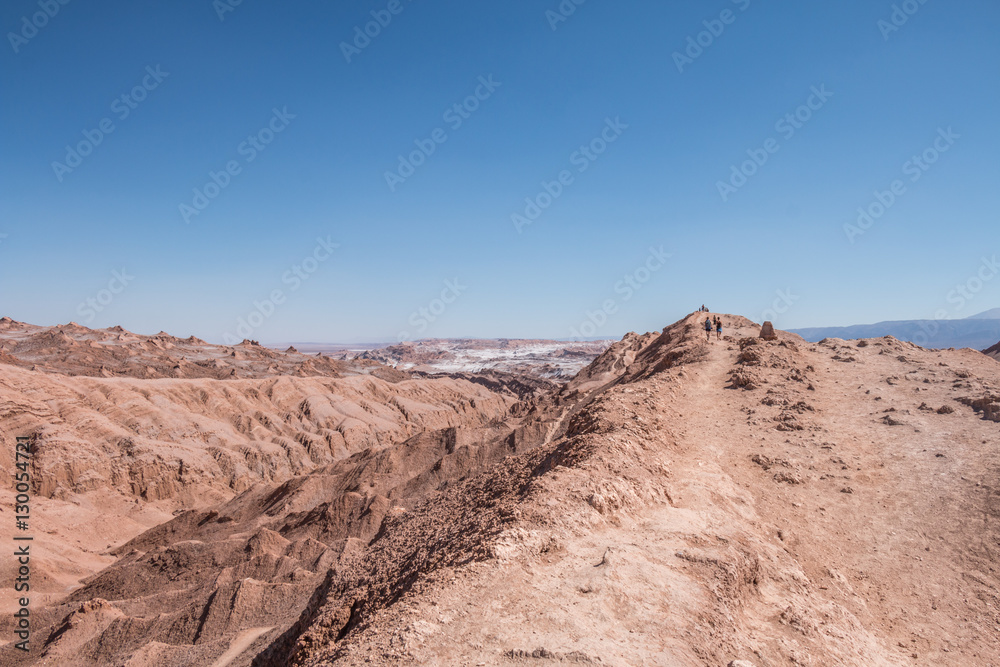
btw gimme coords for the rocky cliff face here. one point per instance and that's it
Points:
(114, 456)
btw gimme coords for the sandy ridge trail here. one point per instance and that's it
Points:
(783, 522)
(896, 528)
(895, 537)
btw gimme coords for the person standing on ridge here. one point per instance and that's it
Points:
(718, 328)
(708, 330)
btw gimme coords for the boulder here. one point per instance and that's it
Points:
(767, 331)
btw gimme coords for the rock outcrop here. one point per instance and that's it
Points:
(72, 349)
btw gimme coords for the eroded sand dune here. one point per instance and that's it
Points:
(114, 456)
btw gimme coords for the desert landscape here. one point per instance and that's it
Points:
(679, 501)
(509, 334)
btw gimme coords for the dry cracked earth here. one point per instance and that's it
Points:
(680, 501)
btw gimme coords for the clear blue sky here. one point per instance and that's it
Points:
(657, 184)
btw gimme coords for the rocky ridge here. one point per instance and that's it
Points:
(680, 501)
(71, 349)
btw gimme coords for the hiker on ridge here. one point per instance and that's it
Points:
(718, 328)
(708, 330)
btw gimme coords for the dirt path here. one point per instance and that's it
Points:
(886, 522)
(239, 644)
(556, 426)
(712, 422)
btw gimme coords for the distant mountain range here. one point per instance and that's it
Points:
(978, 331)
(993, 314)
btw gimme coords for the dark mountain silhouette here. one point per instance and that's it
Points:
(978, 331)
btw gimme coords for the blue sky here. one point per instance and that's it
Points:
(442, 239)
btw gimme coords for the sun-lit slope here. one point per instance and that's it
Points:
(191, 588)
(681, 502)
(114, 456)
(776, 502)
